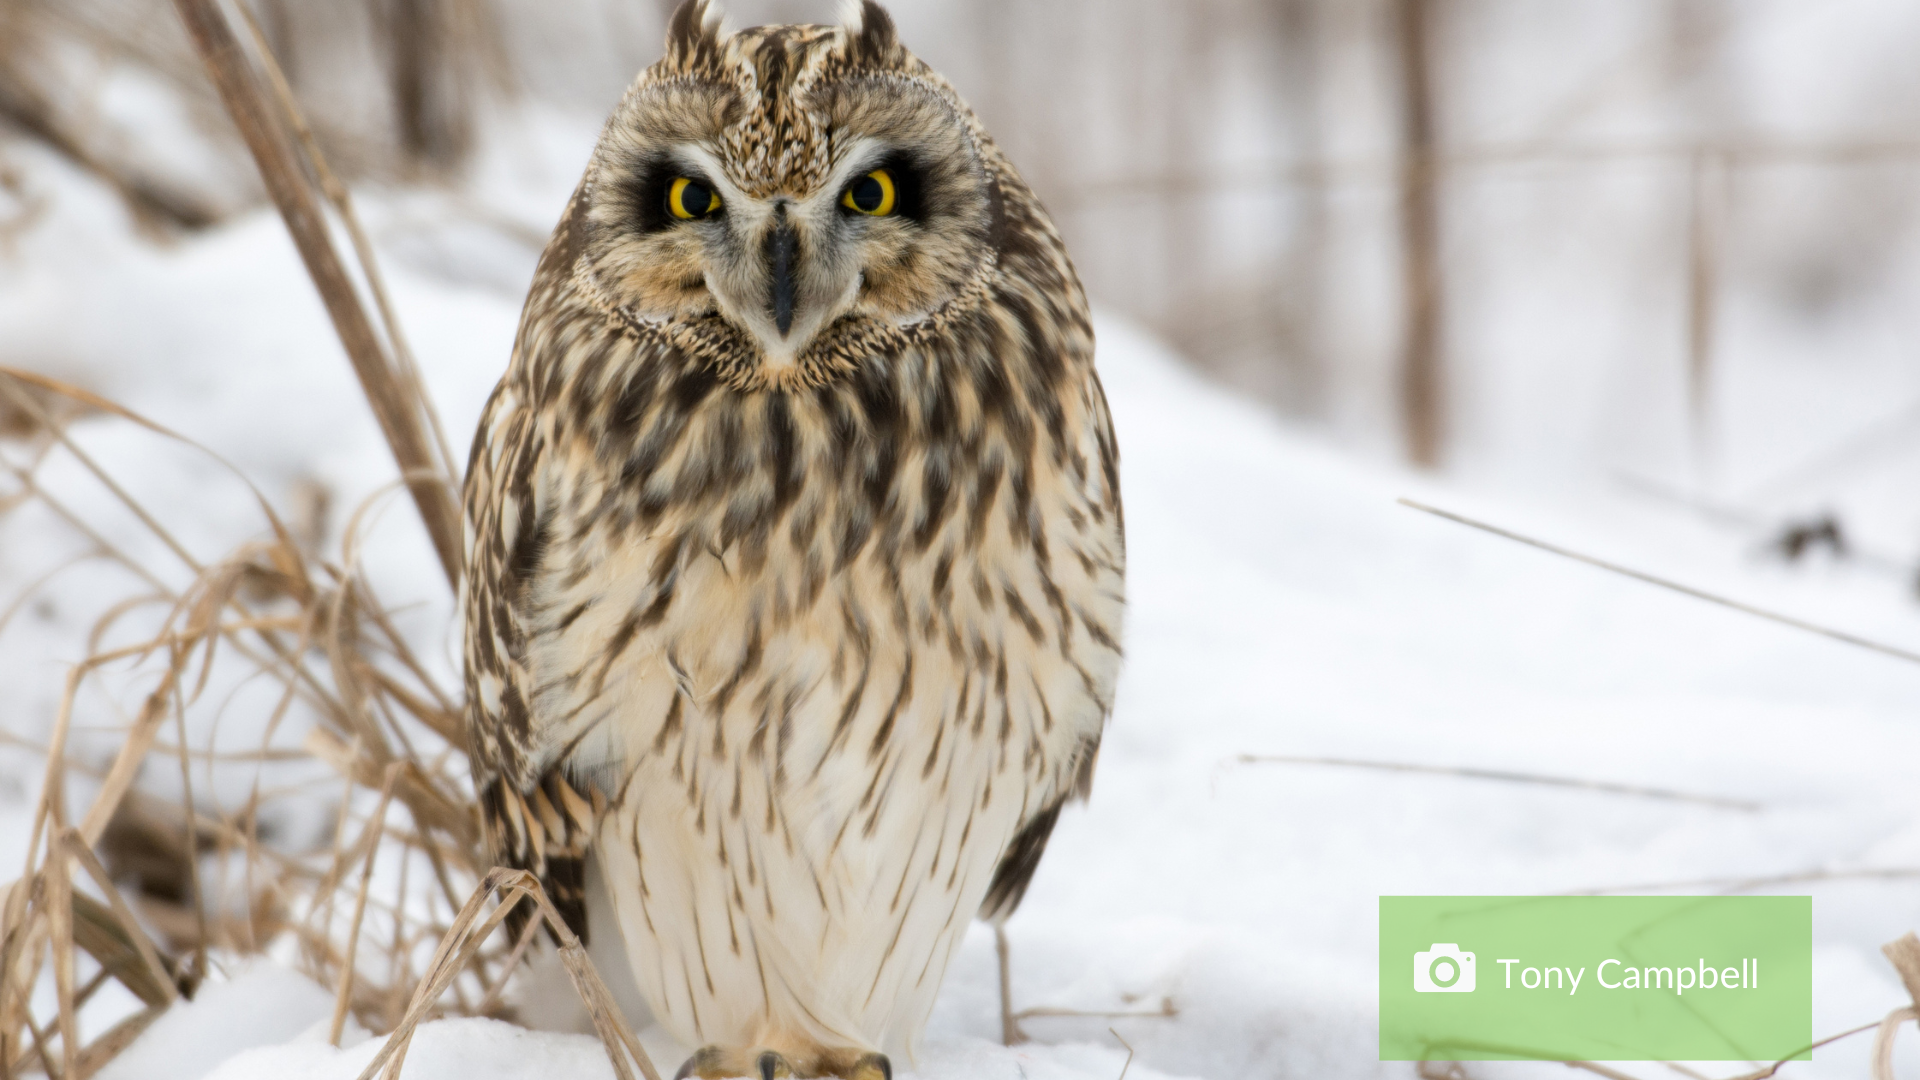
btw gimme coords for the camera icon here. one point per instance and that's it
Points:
(1443, 969)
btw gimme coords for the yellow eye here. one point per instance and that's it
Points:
(872, 194)
(689, 199)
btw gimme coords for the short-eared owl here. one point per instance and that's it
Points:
(794, 549)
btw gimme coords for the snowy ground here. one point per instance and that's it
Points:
(1282, 604)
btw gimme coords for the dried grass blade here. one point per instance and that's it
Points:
(1601, 1070)
(455, 945)
(149, 956)
(284, 542)
(117, 1038)
(528, 934)
(59, 898)
(607, 1019)
(39, 413)
(1883, 1041)
(603, 1013)
(431, 808)
(343, 994)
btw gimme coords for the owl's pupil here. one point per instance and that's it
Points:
(694, 200)
(868, 194)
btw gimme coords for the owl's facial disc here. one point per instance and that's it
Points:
(785, 267)
(737, 182)
(781, 267)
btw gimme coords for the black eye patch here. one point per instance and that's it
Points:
(646, 189)
(909, 185)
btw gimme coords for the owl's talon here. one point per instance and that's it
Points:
(774, 1067)
(700, 1064)
(852, 1064)
(872, 1067)
(721, 1063)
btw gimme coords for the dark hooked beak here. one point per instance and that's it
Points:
(783, 250)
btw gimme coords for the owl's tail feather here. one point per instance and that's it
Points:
(546, 831)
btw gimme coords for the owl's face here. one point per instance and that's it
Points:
(778, 182)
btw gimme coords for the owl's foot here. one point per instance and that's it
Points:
(724, 1063)
(853, 1065)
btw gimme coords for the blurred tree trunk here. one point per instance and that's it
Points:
(1422, 392)
(1298, 36)
(1184, 38)
(1696, 27)
(436, 49)
(27, 104)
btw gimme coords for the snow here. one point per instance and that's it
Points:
(261, 1005)
(1282, 603)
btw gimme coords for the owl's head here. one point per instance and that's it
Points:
(775, 189)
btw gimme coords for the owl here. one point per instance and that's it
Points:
(795, 559)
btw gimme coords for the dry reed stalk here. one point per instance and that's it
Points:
(1883, 1037)
(528, 935)
(1904, 953)
(381, 721)
(398, 410)
(59, 893)
(338, 194)
(166, 990)
(469, 931)
(343, 995)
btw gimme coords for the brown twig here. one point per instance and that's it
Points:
(1759, 1074)
(1010, 1033)
(1124, 1066)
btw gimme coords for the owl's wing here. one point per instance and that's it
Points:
(1022, 857)
(535, 819)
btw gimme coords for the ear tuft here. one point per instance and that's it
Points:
(871, 39)
(694, 32)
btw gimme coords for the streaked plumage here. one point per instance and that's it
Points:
(807, 636)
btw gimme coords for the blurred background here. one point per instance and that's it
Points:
(1667, 238)
(1637, 274)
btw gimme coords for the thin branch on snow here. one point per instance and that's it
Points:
(1747, 884)
(1471, 773)
(1685, 590)
(1129, 1062)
